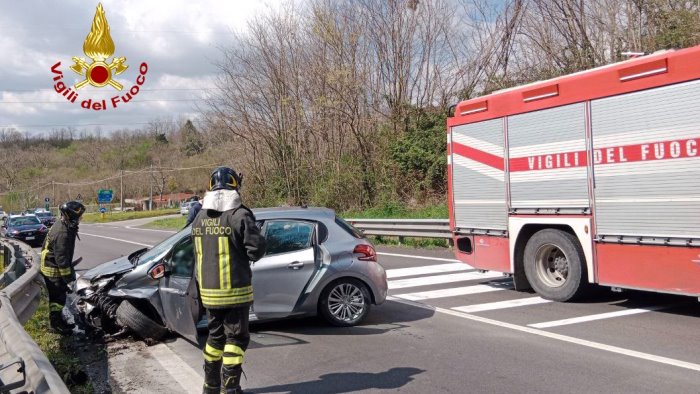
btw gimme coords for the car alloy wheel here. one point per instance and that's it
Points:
(345, 303)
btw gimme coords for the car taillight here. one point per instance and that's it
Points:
(367, 252)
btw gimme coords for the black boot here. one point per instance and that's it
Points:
(212, 377)
(232, 380)
(57, 324)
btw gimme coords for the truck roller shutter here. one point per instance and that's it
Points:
(646, 161)
(478, 179)
(548, 159)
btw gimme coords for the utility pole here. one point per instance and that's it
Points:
(150, 200)
(121, 191)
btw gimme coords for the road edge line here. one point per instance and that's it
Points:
(116, 239)
(185, 376)
(559, 337)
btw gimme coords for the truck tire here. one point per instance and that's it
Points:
(555, 265)
(129, 316)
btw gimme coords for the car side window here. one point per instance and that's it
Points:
(182, 258)
(286, 236)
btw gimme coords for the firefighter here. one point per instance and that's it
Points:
(226, 239)
(57, 263)
(194, 210)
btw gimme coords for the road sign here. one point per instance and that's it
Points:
(47, 199)
(103, 209)
(80, 197)
(104, 196)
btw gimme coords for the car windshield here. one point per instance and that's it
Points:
(24, 221)
(158, 252)
(43, 214)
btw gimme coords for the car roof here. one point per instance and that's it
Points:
(310, 213)
(22, 216)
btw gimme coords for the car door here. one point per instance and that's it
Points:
(177, 290)
(281, 276)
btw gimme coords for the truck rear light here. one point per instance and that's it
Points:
(367, 252)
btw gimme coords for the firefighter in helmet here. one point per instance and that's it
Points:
(57, 262)
(226, 239)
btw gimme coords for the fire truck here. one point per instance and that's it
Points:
(590, 178)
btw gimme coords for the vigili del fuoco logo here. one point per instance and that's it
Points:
(99, 47)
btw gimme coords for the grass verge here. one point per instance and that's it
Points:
(59, 349)
(119, 216)
(167, 223)
(422, 243)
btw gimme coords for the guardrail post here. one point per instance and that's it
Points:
(400, 240)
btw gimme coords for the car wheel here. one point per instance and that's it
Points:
(129, 316)
(555, 265)
(345, 302)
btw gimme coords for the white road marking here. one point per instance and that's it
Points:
(438, 279)
(455, 291)
(599, 316)
(417, 257)
(426, 269)
(491, 306)
(559, 337)
(177, 368)
(116, 239)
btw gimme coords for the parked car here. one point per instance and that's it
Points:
(46, 218)
(315, 264)
(26, 228)
(185, 207)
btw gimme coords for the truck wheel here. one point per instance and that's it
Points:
(555, 265)
(345, 302)
(129, 316)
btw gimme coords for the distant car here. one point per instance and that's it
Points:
(315, 264)
(185, 207)
(46, 218)
(26, 228)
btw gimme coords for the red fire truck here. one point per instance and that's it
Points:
(589, 178)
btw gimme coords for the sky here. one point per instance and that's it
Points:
(179, 40)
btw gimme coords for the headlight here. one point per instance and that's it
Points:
(14, 232)
(102, 282)
(81, 284)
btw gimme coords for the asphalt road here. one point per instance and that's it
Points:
(446, 329)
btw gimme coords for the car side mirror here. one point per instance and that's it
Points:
(158, 271)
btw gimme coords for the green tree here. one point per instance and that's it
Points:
(192, 143)
(420, 153)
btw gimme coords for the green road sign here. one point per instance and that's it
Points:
(104, 196)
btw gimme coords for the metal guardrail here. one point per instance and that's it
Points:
(21, 360)
(418, 228)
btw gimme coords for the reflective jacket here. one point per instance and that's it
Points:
(225, 243)
(57, 253)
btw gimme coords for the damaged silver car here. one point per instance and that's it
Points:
(316, 264)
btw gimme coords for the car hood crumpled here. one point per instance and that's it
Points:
(110, 268)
